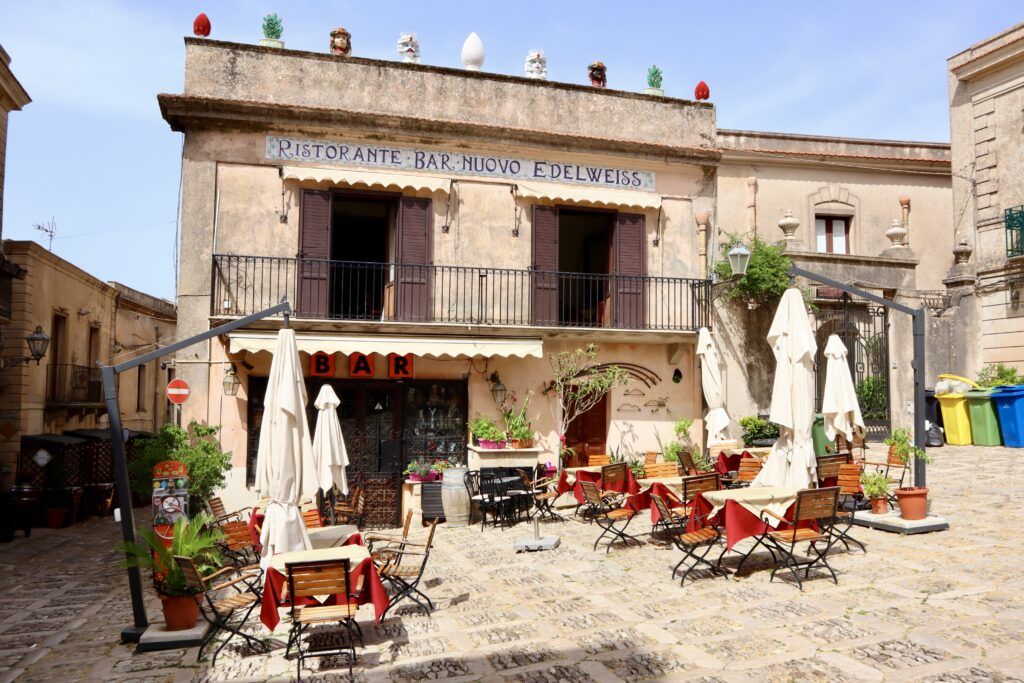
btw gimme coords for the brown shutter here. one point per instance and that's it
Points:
(314, 252)
(545, 265)
(628, 258)
(413, 259)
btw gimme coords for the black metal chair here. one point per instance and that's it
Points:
(403, 571)
(483, 491)
(326, 577)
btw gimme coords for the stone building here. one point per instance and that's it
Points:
(986, 97)
(87, 320)
(12, 98)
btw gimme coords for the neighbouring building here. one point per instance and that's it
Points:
(12, 98)
(87, 321)
(986, 101)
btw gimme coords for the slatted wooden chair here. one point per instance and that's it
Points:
(670, 519)
(607, 517)
(686, 465)
(378, 543)
(613, 479)
(813, 506)
(224, 610)
(308, 579)
(828, 465)
(661, 469)
(347, 506)
(220, 514)
(404, 571)
(650, 457)
(595, 459)
(689, 542)
(311, 518)
(345, 513)
(238, 546)
(748, 471)
(691, 487)
(850, 495)
(541, 495)
(895, 470)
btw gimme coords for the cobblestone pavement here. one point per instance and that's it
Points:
(936, 607)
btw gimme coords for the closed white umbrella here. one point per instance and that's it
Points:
(716, 420)
(791, 462)
(329, 452)
(839, 403)
(285, 472)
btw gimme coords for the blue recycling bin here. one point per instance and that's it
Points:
(1010, 406)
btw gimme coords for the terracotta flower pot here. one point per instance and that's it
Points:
(55, 517)
(180, 611)
(521, 443)
(880, 505)
(913, 502)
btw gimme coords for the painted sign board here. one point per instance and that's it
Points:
(321, 364)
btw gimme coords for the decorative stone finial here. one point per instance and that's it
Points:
(961, 274)
(597, 72)
(905, 201)
(897, 234)
(341, 42)
(701, 92)
(702, 218)
(201, 25)
(273, 27)
(654, 78)
(788, 225)
(536, 65)
(409, 48)
(962, 253)
(473, 52)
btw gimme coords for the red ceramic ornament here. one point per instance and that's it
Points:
(701, 92)
(201, 26)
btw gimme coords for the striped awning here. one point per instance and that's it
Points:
(423, 346)
(583, 195)
(372, 180)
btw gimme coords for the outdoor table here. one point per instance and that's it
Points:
(362, 566)
(658, 486)
(739, 510)
(592, 473)
(756, 451)
(729, 461)
(334, 536)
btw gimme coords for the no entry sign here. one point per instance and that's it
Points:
(178, 391)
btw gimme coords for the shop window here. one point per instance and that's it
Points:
(832, 234)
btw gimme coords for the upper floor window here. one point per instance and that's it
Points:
(832, 234)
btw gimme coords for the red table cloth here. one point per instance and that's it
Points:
(372, 591)
(730, 463)
(255, 524)
(643, 501)
(739, 522)
(629, 486)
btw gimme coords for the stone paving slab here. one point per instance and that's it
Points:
(946, 606)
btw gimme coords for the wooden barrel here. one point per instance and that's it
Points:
(455, 497)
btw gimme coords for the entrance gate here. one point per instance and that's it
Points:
(864, 330)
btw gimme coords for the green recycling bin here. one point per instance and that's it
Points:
(822, 445)
(984, 423)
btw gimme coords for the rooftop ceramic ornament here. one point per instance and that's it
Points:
(201, 25)
(473, 52)
(654, 81)
(701, 92)
(536, 65)
(409, 48)
(598, 74)
(273, 27)
(341, 42)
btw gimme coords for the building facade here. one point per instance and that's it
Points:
(88, 321)
(12, 98)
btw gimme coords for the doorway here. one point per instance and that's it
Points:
(588, 433)
(361, 248)
(584, 262)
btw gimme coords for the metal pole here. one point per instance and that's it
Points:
(124, 502)
(920, 474)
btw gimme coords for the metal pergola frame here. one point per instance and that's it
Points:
(109, 374)
(918, 316)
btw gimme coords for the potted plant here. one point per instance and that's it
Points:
(757, 430)
(913, 500)
(438, 468)
(486, 433)
(419, 470)
(876, 487)
(193, 539)
(517, 427)
(273, 27)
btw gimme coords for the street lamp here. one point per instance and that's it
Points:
(498, 390)
(38, 343)
(739, 257)
(231, 381)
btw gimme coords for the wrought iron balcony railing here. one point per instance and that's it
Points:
(464, 295)
(1014, 222)
(68, 384)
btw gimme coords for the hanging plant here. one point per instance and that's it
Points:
(767, 276)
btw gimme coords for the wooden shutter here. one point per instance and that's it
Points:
(545, 265)
(314, 252)
(628, 258)
(412, 296)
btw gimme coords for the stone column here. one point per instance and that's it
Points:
(905, 211)
(702, 219)
(752, 205)
(962, 273)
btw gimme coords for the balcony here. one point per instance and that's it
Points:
(69, 385)
(457, 295)
(1013, 219)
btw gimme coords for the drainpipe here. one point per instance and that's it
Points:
(752, 205)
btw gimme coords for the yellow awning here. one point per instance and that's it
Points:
(373, 180)
(429, 347)
(590, 196)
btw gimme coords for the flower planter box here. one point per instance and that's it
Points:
(492, 445)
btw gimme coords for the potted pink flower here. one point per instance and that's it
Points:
(419, 470)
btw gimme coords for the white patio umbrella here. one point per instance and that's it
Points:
(791, 462)
(839, 402)
(716, 420)
(329, 452)
(285, 472)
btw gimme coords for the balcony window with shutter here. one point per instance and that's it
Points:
(832, 234)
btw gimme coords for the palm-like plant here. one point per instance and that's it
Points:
(193, 538)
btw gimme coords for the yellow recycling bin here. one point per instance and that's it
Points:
(955, 418)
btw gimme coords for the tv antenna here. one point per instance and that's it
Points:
(48, 229)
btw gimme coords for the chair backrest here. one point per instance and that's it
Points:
(490, 486)
(613, 475)
(650, 457)
(595, 459)
(661, 469)
(472, 481)
(217, 507)
(360, 502)
(525, 478)
(701, 483)
(591, 494)
(236, 535)
(662, 508)
(828, 465)
(894, 460)
(407, 525)
(849, 479)
(686, 466)
(311, 518)
(816, 504)
(193, 579)
(322, 577)
(749, 469)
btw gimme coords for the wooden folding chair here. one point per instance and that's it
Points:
(689, 542)
(816, 506)
(311, 518)
(849, 490)
(828, 465)
(670, 519)
(608, 517)
(613, 479)
(895, 470)
(317, 578)
(748, 471)
(595, 459)
(686, 465)
(220, 514)
(661, 469)
(541, 494)
(351, 514)
(379, 543)
(347, 506)
(238, 546)
(404, 569)
(220, 611)
(650, 458)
